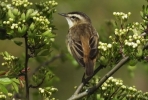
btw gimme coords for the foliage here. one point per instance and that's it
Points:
(126, 41)
(32, 23)
(113, 89)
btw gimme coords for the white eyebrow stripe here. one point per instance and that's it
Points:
(78, 16)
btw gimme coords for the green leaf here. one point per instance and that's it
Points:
(15, 80)
(103, 60)
(15, 11)
(19, 43)
(23, 16)
(10, 14)
(6, 54)
(48, 33)
(10, 32)
(139, 53)
(15, 86)
(143, 7)
(3, 89)
(29, 12)
(20, 31)
(32, 26)
(24, 29)
(5, 81)
(141, 13)
(44, 52)
(133, 62)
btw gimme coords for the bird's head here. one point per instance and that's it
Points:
(75, 18)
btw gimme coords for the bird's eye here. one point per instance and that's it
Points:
(73, 17)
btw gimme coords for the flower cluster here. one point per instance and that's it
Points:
(8, 58)
(11, 24)
(114, 88)
(104, 46)
(134, 41)
(47, 92)
(23, 3)
(42, 22)
(53, 3)
(4, 96)
(120, 32)
(122, 15)
(110, 82)
(47, 7)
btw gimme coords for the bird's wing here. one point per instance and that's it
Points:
(84, 42)
(93, 42)
(77, 52)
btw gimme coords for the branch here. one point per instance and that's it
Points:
(103, 79)
(47, 62)
(87, 79)
(26, 67)
(38, 85)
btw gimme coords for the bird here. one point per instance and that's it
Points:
(82, 40)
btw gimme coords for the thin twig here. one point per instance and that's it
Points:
(103, 79)
(26, 67)
(47, 62)
(114, 93)
(38, 85)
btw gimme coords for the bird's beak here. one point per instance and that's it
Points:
(63, 14)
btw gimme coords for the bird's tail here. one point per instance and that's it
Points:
(89, 68)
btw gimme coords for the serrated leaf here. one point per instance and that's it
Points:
(3, 89)
(5, 81)
(19, 43)
(15, 86)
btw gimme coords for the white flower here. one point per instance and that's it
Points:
(135, 45)
(124, 16)
(42, 91)
(129, 13)
(138, 41)
(114, 13)
(109, 45)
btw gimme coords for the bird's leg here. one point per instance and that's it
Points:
(84, 80)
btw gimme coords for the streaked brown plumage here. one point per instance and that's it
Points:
(82, 40)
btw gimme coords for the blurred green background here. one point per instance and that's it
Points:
(99, 11)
